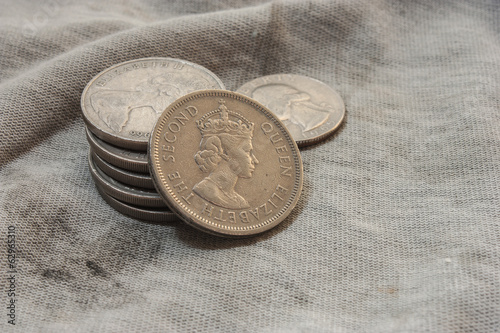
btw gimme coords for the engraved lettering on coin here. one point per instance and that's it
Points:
(226, 153)
(310, 109)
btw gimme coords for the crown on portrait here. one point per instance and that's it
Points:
(217, 121)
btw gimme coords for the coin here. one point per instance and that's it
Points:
(121, 104)
(310, 109)
(141, 213)
(225, 164)
(122, 192)
(136, 179)
(123, 158)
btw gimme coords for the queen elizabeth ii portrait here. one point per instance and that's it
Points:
(226, 154)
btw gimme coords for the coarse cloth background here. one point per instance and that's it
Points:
(398, 225)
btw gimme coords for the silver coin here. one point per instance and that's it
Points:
(123, 158)
(122, 103)
(232, 169)
(136, 179)
(125, 193)
(147, 214)
(310, 109)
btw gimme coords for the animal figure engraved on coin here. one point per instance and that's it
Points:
(226, 152)
(119, 108)
(121, 104)
(293, 106)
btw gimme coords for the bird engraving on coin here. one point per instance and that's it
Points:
(310, 109)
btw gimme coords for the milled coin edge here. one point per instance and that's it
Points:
(136, 212)
(131, 164)
(140, 199)
(124, 176)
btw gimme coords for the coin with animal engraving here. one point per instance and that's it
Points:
(138, 212)
(122, 192)
(310, 109)
(122, 103)
(136, 179)
(225, 164)
(136, 161)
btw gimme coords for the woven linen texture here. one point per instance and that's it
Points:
(398, 225)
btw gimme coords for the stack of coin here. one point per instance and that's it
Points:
(120, 107)
(224, 162)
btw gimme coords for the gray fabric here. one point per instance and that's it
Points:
(397, 229)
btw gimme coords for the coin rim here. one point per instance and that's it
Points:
(137, 212)
(195, 219)
(139, 199)
(124, 162)
(124, 176)
(321, 137)
(128, 143)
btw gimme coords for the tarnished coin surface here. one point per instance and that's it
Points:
(132, 160)
(141, 213)
(136, 179)
(225, 164)
(310, 109)
(122, 103)
(122, 192)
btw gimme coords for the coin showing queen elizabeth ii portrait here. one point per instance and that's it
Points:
(310, 109)
(225, 164)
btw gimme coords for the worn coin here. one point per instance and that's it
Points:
(310, 109)
(122, 192)
(122, 103)
(225, 163)
(123, 158)
(136, 179)
(141, 213)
